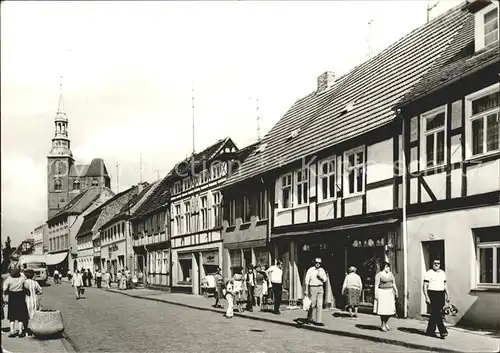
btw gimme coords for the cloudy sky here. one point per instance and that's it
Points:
(128, 69)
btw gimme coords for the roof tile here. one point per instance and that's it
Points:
(375, 86)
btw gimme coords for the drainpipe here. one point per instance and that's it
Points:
(404, 218)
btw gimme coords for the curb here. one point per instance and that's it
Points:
(306, 327)
(68, 344)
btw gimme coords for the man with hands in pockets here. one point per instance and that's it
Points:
(315, 278)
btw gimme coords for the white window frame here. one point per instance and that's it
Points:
(187, 216)
(492, 21)
(164, 262)
(287, 176)
(487, 245)
(348, 169)
(217, 198)
(469, 119)
(327, 176)
(178, 218)
(303, 185)
(424, 133)
(479, 26)
(261, 211)
(204, 212)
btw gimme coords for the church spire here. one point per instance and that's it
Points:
(60, 107)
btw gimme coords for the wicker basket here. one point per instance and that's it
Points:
(47, 323)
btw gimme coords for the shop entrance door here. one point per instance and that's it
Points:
(433, 249)
(366, 259)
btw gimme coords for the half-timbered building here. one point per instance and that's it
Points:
(332, 161)
(245, 226)
(451, 138)
(151, 237)
(196, 214)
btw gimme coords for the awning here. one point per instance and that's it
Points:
(340, 228)
(55, 259)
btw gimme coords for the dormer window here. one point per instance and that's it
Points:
(261, 148)
(293, 134)
(485, 23)
(491, 27)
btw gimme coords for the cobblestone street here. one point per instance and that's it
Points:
(108, 322)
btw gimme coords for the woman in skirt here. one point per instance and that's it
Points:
(386, 294)
(352, 288)
(15, 288)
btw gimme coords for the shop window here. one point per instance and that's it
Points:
(185, 270)
(302, 186)
(204, 212)
(483, 128)
(327, 181)
(217, 206)
(236, 261)
(433, 146)
(355, 171)
(286, 191)
(488, 256)
(247, 211)
(262, 257)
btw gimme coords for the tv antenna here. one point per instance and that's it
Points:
(430, 8)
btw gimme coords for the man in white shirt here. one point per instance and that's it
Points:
(56, 276)
(275, 275)
(436, 294)
(315, 279)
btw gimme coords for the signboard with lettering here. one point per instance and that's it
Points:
(211, 258)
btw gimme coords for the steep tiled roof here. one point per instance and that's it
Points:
(459, 58)
(126, 209)
(160, 195)
(375, 86)
(97, 168)
(78, 204)
(78, 170)
(88, 224)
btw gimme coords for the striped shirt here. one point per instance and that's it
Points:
(32, 301)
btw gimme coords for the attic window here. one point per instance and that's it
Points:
(486, 26)
(293, 134)
(261, 148)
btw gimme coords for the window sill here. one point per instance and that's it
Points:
(492, 289)
(325, 201)
(433, 168)
(483, 156)
(358, 194)
(284, 210)
(301, 206)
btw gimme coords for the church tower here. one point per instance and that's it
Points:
(59, 162)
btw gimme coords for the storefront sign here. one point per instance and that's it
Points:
(184, 256)
(211, 258)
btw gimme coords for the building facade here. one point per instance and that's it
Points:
(40, 236)
(151, 237)
(89, 236)
(196, 215)
(65, 179)
(115, 241)
(333, 164)
(452, 134)
(63, 227)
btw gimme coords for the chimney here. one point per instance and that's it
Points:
(140, 187)
(325, 81)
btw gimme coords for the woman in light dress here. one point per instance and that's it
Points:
(386, 294)
(238, 289)
(352, 288)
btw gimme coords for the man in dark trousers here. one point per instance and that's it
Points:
(436, 295)
(275, 275)
(250, 284)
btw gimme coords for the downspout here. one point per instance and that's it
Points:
(404, 217)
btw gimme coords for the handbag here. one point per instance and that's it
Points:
(306, 303)
(449, 309)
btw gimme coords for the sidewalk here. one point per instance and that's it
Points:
(404, 332)
(31, 344)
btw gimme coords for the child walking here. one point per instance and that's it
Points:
(32, 301)
(229, 293)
